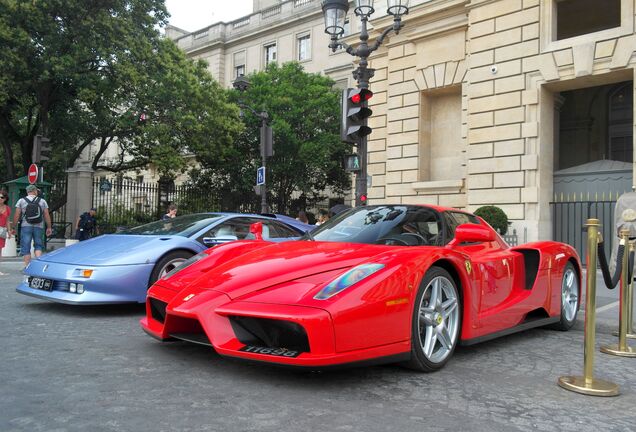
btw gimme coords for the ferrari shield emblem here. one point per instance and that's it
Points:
(469, 266)
(188, 297)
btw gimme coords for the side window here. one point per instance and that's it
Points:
(279, 230)
(462, 218)
(238, 227)
(451, 224)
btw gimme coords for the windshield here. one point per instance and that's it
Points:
(184, 226)
(395, 225)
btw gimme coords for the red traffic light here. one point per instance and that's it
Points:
(363, 198)
(361, 95)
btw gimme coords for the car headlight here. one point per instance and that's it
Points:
(186, 263)
(347, 279)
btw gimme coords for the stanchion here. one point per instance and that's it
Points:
(630, 298)
(622, 349)
(587, 384)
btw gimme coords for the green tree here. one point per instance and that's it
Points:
(304, 114)
(91, 72)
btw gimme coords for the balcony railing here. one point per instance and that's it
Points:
(284, 11)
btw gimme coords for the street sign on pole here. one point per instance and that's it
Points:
(260, 176)
(33, 174)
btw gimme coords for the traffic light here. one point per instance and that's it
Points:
(354, 115)
(41, 149)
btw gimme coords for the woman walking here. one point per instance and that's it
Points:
(5, 221)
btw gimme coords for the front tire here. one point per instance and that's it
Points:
(167, 264)
(570, 293)
(436, 321)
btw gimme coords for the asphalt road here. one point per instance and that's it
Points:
(67, 368)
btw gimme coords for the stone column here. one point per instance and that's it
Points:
(79, 192)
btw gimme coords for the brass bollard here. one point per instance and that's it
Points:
(622, 349)
(587, 384)
(630, 302)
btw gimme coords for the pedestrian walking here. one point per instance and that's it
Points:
(32, 213)
(86, 225)
(5, 222)
(172, 213)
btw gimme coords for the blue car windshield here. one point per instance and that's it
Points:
(372, 224)
(184, 226)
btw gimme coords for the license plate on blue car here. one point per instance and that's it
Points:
(41, 283)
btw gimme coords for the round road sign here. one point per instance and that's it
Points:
(33, 174)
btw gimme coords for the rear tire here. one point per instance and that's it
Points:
(436, 321)
(167, 264)
(570, 294)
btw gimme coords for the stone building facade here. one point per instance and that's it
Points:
(469, 98)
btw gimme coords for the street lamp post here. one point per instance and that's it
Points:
(335, 14)
(242, 84)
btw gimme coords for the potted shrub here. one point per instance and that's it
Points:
(495, 217)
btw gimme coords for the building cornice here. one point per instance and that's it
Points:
(224, 35)
(426, 20)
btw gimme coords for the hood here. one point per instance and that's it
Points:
(115, 249)
(279, 263)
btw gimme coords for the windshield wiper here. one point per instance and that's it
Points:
(309, 236)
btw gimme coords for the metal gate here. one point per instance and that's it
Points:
(569, 216)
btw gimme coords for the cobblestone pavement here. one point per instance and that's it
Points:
(67, 368)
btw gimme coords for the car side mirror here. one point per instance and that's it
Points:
(257, 230)
(472, 233)
(213, 241)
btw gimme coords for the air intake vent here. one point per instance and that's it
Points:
(270, 333)
(158, 309)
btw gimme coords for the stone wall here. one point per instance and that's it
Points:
(509, 70)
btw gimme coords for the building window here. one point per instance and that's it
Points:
(579, 17)
(270, 54)
(304, 47)
(239, 64)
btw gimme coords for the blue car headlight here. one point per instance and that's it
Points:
(347, 279)
(186, 263)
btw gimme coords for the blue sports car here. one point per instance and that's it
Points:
(119, 268)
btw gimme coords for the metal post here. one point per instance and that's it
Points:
(622, 349)
(587, 384)
(361, 176)
(264, 207)
(630, 301)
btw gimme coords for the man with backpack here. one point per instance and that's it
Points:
(33, 213)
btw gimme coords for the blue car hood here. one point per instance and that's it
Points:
(118, 249)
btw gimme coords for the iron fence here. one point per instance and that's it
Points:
(123, 203)
(569, 217)
(57, 206)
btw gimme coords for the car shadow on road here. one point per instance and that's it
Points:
(87, 311)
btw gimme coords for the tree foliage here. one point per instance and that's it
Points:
(86, 72)
(308, 155)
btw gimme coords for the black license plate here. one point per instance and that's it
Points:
(278, 352)
(41, 283)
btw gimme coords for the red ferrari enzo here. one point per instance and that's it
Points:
(383, 283)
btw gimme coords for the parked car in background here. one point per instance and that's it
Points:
(119, 268)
